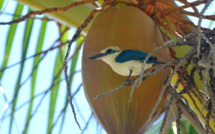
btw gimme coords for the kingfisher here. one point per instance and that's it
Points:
(126, 62)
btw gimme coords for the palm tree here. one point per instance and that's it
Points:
(40, 83)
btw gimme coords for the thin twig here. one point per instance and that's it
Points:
(75, 36)
(191, 52)
(49, 10)
(199, 25)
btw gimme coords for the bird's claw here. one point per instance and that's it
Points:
(127, 82)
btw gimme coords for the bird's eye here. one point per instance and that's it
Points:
(109, 51)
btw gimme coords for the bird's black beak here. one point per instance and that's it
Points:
(98, 56)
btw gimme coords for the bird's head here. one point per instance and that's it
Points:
(107, 53)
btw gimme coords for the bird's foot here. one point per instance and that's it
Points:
(127, 82)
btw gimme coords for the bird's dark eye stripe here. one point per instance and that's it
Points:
(109, 51)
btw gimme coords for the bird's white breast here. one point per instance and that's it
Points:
(125, 67)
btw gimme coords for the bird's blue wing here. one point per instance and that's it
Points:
(128, 55)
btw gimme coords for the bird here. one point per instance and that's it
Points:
(126, 62)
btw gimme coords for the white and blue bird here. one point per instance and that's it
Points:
(127, 62)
